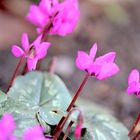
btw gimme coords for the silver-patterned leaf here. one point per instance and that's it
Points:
(36, 93)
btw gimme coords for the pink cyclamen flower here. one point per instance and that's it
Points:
(32, 52)
(35, 133)
(101, 67)
(134, 83)
(7, 126)
(77, 132)
(54, 17)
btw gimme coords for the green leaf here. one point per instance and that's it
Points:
(3, 96)
(33, 99)
(99, 125)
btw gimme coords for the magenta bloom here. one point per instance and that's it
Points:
(35, 133)
(7, 127)
(101, 67)
(54, 17)
(33, 52)
(134, 83)
(77, 132)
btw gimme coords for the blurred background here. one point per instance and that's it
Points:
(113, 24)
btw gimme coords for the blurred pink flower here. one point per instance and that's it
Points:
(35, 133)
(134, 83)
(54, 17)
(33, 52)
(101, 67)
(7, 127)
(77, 132)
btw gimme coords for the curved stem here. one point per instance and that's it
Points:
(78, 92)
(134, 126)
(25, 69)
(15, 72)
(68, 130)
(136, 136)
(63, 120)
(52, 65)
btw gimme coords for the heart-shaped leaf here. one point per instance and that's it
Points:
(99, 125)
(3, 96)
(34, 97)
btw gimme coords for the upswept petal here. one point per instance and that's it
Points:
(31, 63)
(133, 87)
(83, 60)
(93, 51)
(37, 42)
(133, 77)
(45, 6)
(36, 16)
(109, 57)
(42, 50)
(107, 70)
(17, 51)
(25, 41)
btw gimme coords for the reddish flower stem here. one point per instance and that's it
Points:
(136, 136)
(52, 65)
(68, 130)
(134, 126)
(15, 72)
(25, 69)
(59, 127)
(44, 38)
(78, 92)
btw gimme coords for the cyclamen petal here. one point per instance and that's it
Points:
(93, 51)
(107, 70)
(42, 50)
(7, 126)
(109, 57)
(133, 77)
(25, 41)
(36, 16)
(31, 63)
(133, 88)
(77, 132)
(34, 133)
(37, 42)
(17, 51)
(46, 5)
(63, 16)
(83, 61)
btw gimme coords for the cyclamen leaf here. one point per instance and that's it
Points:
(99, 125)
(36, 93)
(3, 96)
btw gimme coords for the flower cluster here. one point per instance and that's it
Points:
(53, 17)
(7, 126)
